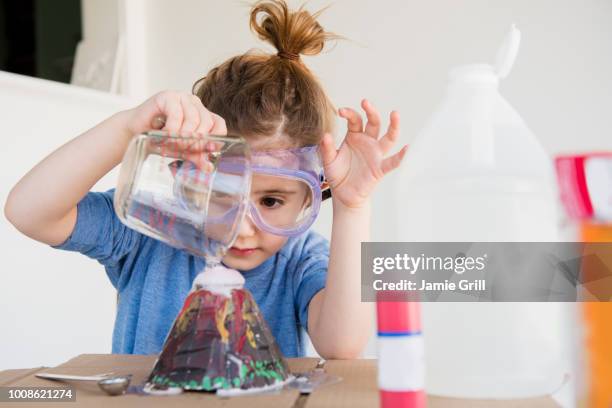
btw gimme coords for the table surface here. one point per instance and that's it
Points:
(357, 388)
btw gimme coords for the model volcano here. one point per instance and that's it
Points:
(219, 341)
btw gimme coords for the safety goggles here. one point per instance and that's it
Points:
(287, 188)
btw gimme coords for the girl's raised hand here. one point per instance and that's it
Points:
(183, 112)
(355, 168)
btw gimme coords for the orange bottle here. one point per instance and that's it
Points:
(598, 323)
(585, 183)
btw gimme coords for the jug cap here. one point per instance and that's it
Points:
(487, 73)
(507, 52)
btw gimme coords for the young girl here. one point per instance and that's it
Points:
(275, 102)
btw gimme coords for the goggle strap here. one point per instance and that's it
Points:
(325, 190)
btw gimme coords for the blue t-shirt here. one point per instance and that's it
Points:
(153, 279)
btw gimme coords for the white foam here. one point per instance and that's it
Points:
(218, 279)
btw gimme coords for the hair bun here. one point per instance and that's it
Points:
(291, 32)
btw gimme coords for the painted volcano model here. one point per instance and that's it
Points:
(219, 341)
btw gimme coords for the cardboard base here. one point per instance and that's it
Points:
(357, 388)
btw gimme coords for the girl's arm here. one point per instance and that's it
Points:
(42, 205)
(339, 322)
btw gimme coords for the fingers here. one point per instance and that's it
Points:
(353, 119)
(201, 161)
(393, 162)
(219, 127)
(171, 107)
(210, 123)
(388, 140)
(355, 122)
(185, 115)
(205, 121)
(327, 149)
(373, 126)
(191, 115)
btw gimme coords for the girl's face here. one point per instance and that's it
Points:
(253, 246)
(277, 200)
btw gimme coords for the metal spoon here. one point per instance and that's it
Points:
(112, 385)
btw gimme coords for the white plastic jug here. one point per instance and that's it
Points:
(476, 173)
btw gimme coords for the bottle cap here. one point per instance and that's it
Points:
(507, 52)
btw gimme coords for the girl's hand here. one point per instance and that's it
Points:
(358, 165)
(180, 114)
(183, 112)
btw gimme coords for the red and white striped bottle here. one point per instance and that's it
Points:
(401, 356)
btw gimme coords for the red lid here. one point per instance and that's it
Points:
(585, 185)
(398, 317)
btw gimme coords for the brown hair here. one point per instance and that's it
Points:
(262, 95)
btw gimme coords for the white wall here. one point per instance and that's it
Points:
(53, 304)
